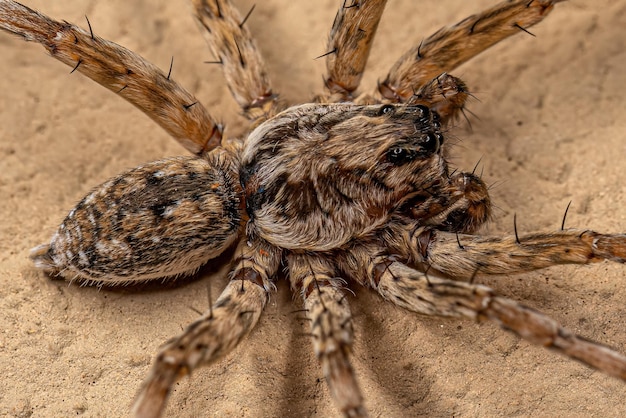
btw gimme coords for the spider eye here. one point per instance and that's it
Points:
(399, 155)
(436, 120)
(386, 109)
(431, 142)
(424, 110)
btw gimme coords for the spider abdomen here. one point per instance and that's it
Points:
(162, 219)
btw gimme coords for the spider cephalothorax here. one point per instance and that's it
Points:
(316, 176)
(351, 189)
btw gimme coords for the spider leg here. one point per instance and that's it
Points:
(463, 256)
(349, 44)
(150, 222)
(429, 295)
(121, 71)
(244, 69)
(459, 203)
(451, 46)
(331, 327)
(444, 94)
(215, 333)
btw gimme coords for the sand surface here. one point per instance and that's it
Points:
(549, 126)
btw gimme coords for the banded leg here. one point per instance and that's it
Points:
(331, 327)
(416, 292)
(464, 256)
(215, 333)
(349, 46)
(231, 42)
(121, 71)
(452, 46)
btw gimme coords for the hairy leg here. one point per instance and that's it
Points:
(452, 46)
(429, 295)
(331, 327)
(464, 256)
(349, 46)
(236, 51)
(215, 333)
(121, 71)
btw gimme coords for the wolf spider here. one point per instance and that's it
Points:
(351, 188)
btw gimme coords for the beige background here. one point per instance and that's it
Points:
(550, 128)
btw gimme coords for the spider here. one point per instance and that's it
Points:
(298, 191)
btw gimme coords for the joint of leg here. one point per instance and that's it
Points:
(381, 267)
(261, 101)
(338, 90)
(251, 275)
(315, 285)
(423, 241)
(388, 92)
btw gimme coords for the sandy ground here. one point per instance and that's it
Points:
(549, 127)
